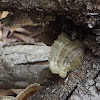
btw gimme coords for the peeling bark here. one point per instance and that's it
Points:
(21, 65)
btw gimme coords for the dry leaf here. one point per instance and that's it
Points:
(22, 30)
(5, 32)
(28, 29)
(24, 38)
(17, 20)
(9, 40)
(4, 14)
(6, 92)
(17, 91)
(38, 38)
(34, 30)
(1, 31)
(1, 34)
(30, 90)
(0, 13)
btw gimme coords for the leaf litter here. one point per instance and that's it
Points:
(29, 34)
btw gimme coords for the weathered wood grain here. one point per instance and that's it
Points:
(21, 65)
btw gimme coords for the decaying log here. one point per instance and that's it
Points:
(81, 84)
(19, 68)
(82, 12)
(21, 65)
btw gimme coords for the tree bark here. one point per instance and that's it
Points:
(22, 65)
(81, 84)
(82, 12)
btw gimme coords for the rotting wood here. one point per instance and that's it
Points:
(21, 65)
(80, 11)
(81, 84)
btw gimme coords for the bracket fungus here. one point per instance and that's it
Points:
(65, 55)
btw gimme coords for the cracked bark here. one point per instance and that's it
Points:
(76, 10)
(81, 84)
(22, 65)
